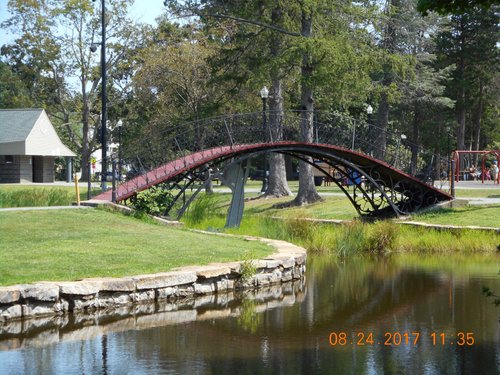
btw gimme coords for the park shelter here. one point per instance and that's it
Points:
(29, 145)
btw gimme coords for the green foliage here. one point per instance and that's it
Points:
(249, 319)
(247, 267)
(36, 197)
(381, 236)
(350, 240)
(202, 210)
(153, 201)
(451, 7)
(13, 91)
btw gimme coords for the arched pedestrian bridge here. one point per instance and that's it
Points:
(197, 151)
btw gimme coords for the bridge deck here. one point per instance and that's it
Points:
(377, 171)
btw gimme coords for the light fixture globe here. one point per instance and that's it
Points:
(264, 93)
(369, 109)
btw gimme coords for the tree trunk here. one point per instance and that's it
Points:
(461, 113)
(379, 135)
(389, 45)
(307, 191)
(460, 106)
(415, 141)
(477, 116)
(277, 184)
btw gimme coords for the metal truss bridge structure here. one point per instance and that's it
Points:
(190, 155)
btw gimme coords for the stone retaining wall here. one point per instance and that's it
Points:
(42, 331)
(88, 295)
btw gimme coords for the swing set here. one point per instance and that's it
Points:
(458, 157)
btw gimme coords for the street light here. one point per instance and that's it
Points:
(369, 111)
(264, 94)
(401, 139)
(93, 48)
(119, 126)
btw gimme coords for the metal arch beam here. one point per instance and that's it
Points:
(362, 173)
(182, 190)
(346, 175)
(328, 175)
(341, 162)
(216, 155)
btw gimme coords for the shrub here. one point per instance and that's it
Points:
(248, 269)
(153, 201)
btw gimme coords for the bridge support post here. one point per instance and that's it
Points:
(234, 176)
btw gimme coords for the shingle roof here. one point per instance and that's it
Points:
(24, 120)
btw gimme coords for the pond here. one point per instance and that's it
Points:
(395, 315)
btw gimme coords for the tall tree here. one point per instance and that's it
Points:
(53, 47)
(13, 91)
(262, 25)
(395, 64)
(307, 192)
(470, 42)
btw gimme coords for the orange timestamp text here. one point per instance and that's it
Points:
(401, 338)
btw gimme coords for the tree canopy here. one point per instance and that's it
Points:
(423, 75)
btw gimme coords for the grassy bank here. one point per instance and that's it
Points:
(340, 208)
(341, 240)
(74, 244)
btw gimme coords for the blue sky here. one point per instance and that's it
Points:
(143, 10)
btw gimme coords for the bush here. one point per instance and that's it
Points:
(153, 201)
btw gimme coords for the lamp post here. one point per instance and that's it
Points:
(400, 139)
(369, 111)
(448, 152)
(119, 125)
(264, 94)
(104, 116)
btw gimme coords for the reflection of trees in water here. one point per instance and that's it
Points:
(353, 296)
(357, 292)
(249, 320)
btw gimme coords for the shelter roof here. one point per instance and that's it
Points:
(29, 132)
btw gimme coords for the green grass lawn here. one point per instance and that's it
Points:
(331, 207)
(478, 193)
(340, 208)
(480, 215)
(74, 244)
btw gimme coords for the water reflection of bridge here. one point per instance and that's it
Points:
(196, 152)
(291, 334)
